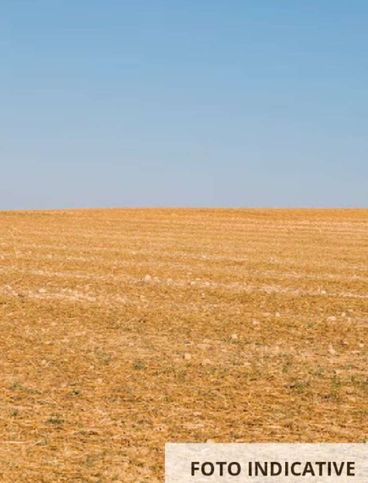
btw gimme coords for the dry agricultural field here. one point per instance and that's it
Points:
(124, 329)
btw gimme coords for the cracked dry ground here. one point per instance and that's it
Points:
(124, 329)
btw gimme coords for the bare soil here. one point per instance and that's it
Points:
(125, 329)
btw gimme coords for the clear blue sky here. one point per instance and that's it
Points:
(183, 103)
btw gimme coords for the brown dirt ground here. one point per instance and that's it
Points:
(124, 329)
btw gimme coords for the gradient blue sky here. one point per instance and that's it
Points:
(183, 103)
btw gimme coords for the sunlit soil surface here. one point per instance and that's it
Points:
(124, 329)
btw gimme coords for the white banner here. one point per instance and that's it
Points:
(266, 462)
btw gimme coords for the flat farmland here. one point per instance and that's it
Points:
(123, 329)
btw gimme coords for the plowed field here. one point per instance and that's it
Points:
(124, 329)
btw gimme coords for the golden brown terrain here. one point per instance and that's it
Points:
(124, 329)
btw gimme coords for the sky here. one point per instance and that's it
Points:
(208, 103)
